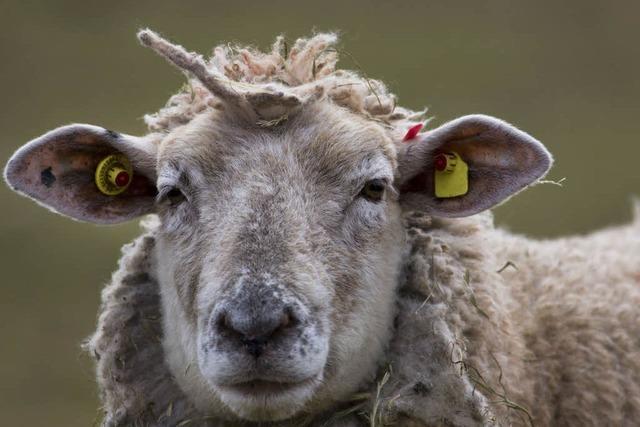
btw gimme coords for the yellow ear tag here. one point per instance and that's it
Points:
(451, 175)
(113, 174)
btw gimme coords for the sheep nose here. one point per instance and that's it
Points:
(254, 328)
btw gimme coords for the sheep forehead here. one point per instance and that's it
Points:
(324, 139)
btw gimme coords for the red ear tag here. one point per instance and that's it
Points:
(413, 132)
(440, 162)
(121, 179)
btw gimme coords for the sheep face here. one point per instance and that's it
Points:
(279, 251)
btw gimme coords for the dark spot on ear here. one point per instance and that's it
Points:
(112, 134)
(47, 177)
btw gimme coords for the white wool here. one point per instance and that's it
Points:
(302, 70)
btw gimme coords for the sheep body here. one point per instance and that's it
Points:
(552, 341)
(549, 340)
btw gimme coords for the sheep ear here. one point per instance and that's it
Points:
(58, 170)
(501, 161)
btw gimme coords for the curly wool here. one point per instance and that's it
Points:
(136, 387)
(544, 331)
(308, 66)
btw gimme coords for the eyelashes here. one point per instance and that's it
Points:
(170, 196)
(373, 190)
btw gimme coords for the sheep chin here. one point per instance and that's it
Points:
(267, 401)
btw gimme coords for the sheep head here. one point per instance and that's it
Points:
(279, 183)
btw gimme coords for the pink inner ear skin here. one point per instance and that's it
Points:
(141, 186)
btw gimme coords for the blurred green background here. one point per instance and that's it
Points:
(567, 72)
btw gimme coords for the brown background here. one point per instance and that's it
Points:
(567, 72)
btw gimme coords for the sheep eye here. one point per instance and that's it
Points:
(175, 196)
(172, 197)
(374, 190)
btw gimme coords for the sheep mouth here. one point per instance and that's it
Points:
(263, 387)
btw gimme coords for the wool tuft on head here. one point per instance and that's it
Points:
(272, 85)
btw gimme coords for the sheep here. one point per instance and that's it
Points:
(299, 266)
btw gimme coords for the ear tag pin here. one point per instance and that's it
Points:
(113, 174)
(451, 175)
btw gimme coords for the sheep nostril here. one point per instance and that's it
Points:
(285, 320)
(288, 319)
(222, 322)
